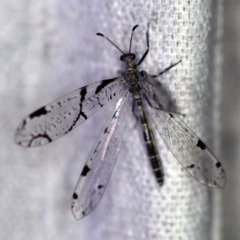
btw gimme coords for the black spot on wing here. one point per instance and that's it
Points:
(85, 171)
(201, 144)
(100, 186)
(44, 135)
(191, 166)
(170, 115)
(38, 113)
(83, 115)
(103, 85)
(75, 196)
(218, 164)
(83, 93)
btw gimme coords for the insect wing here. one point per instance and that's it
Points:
(157, 92)
(62, 115)
(188, 148)
(98, 168)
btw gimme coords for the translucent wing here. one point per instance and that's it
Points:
(188, 149)
(98, 168)
(62, 115)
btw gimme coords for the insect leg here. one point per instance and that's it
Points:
(166, 69)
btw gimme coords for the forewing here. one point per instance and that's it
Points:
(189, 150)
(62, 115)
(98, 168)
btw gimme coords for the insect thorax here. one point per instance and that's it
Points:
(132, 80)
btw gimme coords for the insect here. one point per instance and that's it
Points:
(151, 103)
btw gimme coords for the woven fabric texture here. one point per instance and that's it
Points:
(49, 48)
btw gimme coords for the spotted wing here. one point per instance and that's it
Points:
(62, 115)
(188, 148)
(98, 168)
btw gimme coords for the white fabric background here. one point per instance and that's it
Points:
(49, 48)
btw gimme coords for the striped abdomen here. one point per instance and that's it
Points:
(150, 142)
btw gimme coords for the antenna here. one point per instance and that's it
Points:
(101, 35)
(131, 38)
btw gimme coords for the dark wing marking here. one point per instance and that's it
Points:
(98, 168)
(62, 115)
(188, 148)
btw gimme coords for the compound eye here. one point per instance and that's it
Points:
(143, 74)
(122, 57)
(133, 56)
